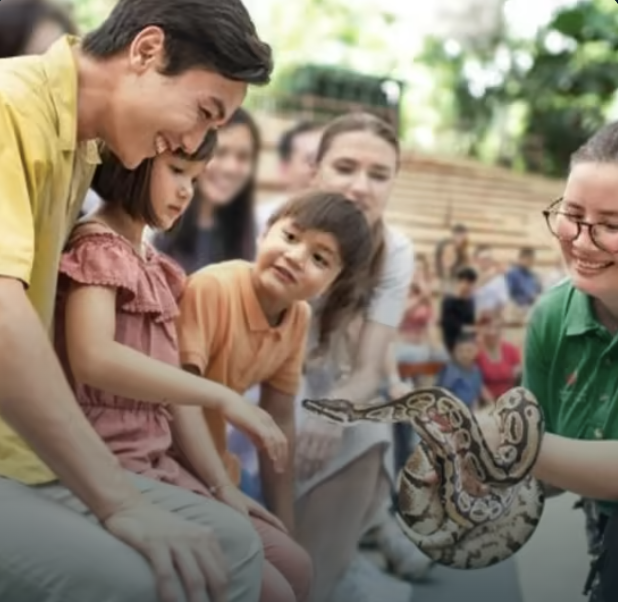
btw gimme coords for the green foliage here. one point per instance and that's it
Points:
(565, 81)
(89, 13)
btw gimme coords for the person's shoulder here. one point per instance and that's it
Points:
(546, 321)
(24, 88)
(398, 259)
(397, 242)
(224, 271)
(28, 115)
(301, 314)
(550, 305)
(225, 277)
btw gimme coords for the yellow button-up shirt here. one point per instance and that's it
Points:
(44, 176)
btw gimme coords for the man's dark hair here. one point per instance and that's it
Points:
(466, 274)
(527, 252)
(286, 142)
(217, 35)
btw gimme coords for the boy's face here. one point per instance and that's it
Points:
(150, 113)
(294, 264)
(465, 353)
(465, 288)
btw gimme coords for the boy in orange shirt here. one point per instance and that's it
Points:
(244, 324)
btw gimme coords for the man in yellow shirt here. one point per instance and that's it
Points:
(157, 74)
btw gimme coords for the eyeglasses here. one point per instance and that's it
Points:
(567, 228)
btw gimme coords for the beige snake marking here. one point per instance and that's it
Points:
(452, 523)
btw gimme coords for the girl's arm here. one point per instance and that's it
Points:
(192, 437)
(278, 487)
(97, 360)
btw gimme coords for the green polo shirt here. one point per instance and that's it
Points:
(571, 365)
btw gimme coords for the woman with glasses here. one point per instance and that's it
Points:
(571, 351)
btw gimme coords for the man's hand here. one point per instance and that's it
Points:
(235, 498)
(183, 555)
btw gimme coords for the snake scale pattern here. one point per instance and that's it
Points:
(455, 520)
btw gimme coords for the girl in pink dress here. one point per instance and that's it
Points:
(116, 338)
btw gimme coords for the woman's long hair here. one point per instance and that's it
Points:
(234, 220)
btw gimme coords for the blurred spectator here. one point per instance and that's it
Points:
(414, 343)
(492, 293)
(523, 284)
(31, 26)
(461, 375)
(498, 360)
(451, 255)
(296, 152)
(219, 223)
(457, 314)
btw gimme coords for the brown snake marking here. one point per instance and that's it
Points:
(454, 526)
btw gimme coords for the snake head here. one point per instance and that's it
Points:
(333, 410)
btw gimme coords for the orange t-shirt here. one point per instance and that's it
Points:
(223, 332)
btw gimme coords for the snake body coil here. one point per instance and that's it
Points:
(454, 522)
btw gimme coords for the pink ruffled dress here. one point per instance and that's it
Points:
(147, 290)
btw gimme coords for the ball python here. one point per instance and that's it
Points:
(458, 521)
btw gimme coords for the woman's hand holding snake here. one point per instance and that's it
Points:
(316, 444)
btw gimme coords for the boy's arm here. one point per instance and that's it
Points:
(195, 443)
(278, 487)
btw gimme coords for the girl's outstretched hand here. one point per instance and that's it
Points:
(260, 427)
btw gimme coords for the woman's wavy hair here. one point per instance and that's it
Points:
(336, 215)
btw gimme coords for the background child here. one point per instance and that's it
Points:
(116, 336)
(461, 376)
(246, 324)
(457, 311)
